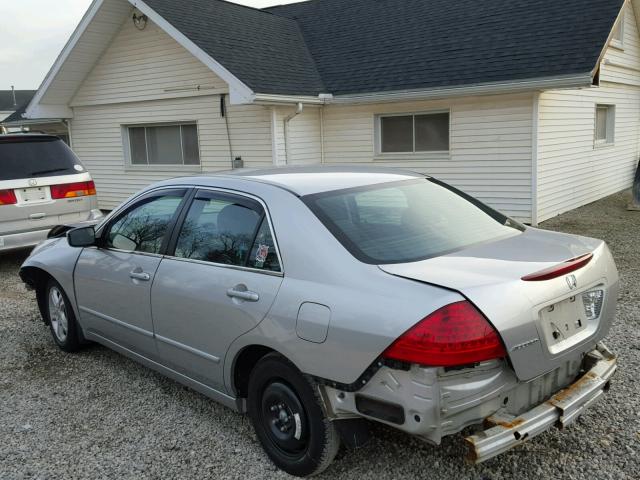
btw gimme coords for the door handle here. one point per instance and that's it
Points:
(145, 277)
(243, 294)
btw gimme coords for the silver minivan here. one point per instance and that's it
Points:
(42, 184)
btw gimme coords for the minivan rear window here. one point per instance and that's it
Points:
(408, 221)
(29, 157)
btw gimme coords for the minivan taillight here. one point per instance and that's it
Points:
(8, 197)
(456, 334)
(71, 190)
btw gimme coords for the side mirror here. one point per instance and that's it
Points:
(82, 237)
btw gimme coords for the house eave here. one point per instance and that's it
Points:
(275, 99)
(537, 84)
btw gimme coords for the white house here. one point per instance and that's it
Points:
(533, 107)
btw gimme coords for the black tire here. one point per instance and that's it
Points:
(278, 393)
(60, 317)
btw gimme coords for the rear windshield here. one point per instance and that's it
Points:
(31, 157)
(408, 221)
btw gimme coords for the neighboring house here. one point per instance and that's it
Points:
(533, 107)
(10, 100)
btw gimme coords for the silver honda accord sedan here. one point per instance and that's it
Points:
(320, 299)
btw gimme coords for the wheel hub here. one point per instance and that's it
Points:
(58, 314)
(284, 418)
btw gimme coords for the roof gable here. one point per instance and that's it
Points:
(389, 45)
(268, 52)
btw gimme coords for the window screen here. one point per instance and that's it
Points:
(414, 133)
(605, 124)
(164, 145)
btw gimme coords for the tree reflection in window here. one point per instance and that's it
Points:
(143, 228)
(218, 231)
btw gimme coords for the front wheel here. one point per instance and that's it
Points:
(285, 410)
(61, 319)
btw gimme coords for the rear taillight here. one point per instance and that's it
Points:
(560, 269)
(457, 334)
(7, 197)
(71, 190)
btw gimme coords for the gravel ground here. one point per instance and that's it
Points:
(98, 415)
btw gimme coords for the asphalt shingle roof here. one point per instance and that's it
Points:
(267, 52)
(6, 99)
(383, 45)
(360, 46)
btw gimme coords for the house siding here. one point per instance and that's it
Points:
(304, 136)
(490, 146)
(98, 140)
(145, 77)
(145, 65)
(572, 170)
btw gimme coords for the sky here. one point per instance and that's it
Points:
(33, 32)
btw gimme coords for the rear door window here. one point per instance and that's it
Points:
(228, 230)
(31, 157)
(219, 228)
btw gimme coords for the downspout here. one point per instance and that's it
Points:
(288, 118)
(322, 134)
(534, 159)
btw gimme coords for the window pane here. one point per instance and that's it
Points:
(164, 145)
(143, 228)
(601, 123)
(432, 132)
(190, 145)
(36, 157)
(218, 230)
(263, 254)
(138, 146)
(407, 222)
(396, 134)
(617, 32)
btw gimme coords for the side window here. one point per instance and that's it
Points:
(142, 229)
(219, 228)
(263, 253)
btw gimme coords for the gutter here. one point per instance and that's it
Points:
(287, 119)
(581, 80)
(572, 81)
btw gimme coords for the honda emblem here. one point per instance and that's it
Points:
(572, 282)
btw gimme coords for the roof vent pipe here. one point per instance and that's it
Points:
(288, 118)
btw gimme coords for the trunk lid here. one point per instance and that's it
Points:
(528, 314)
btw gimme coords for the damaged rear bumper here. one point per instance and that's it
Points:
(560, 410)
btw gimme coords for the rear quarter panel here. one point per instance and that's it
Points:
(369, 308)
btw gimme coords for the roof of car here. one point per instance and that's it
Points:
(303, 181)
(26, 136)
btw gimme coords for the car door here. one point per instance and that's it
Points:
(218, 281)
(113, 281)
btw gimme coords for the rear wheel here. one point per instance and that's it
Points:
(289, 421)
(61, 318)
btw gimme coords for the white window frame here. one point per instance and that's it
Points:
(129, 165)
(610, 126)
(615, 42)
(378, 133)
